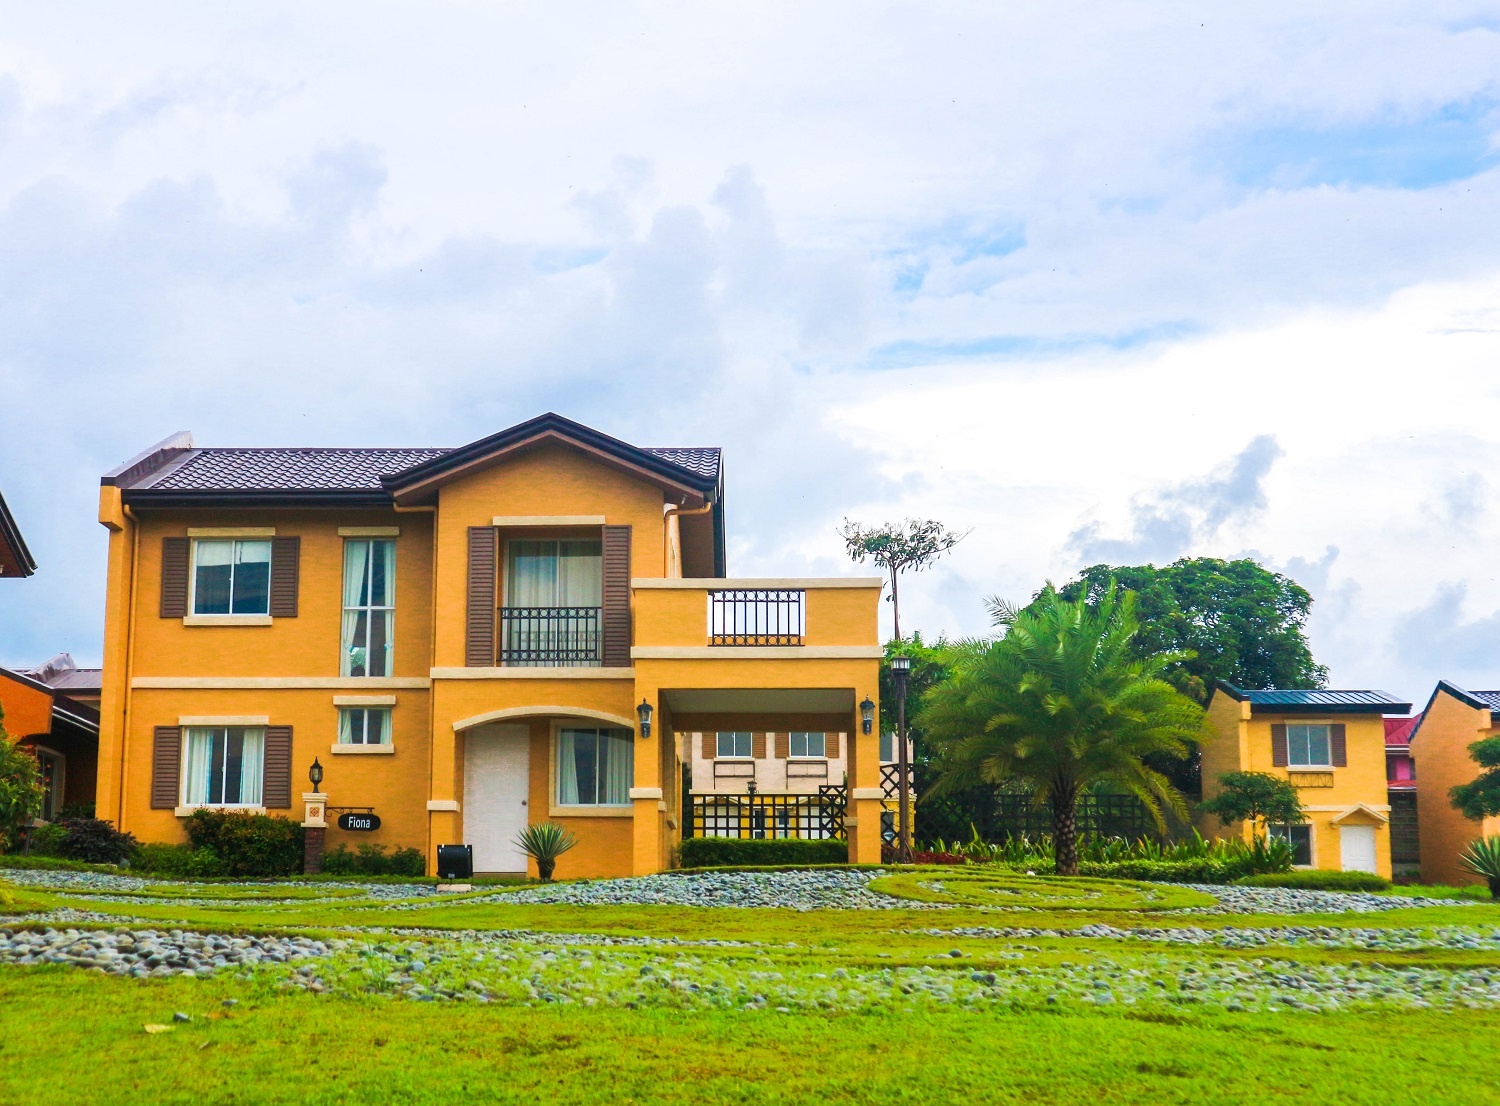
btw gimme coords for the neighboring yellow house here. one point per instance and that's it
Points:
(1331, 746)
(468, 640)
(1454, 720)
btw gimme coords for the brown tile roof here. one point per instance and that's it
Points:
(284, 470)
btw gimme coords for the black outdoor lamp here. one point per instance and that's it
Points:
(315, 774)
(900, 670)
(644, 713)
(867, 715)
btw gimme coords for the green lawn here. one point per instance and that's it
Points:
(876, 1008)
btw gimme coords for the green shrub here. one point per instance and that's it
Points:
(1482, 857)
(93, 841)
(371, 860)
(1318, 880)
(47, 840)
(51, 864)
(157, 859)
(247, 844)
(1205, 870)
(722, 852)
(21, 794)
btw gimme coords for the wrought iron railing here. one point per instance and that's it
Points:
(810, 817)
(550, 637)
(757, 616)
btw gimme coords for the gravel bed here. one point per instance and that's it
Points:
(1286, 900)
(154, 953)
(820, 889)
(59, 880)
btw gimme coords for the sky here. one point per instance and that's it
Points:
(1093, 282)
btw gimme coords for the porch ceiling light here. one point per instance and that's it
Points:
(644, 713)
(315, 774)
(867, 715)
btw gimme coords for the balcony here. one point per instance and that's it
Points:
(757, 616)
(787, 618)
(550, 637)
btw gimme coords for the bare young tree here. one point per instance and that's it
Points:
(899, 546)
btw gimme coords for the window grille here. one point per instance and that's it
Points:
(757, 616)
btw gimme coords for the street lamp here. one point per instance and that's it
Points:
(643, 712)
(867, 715)
(315, 774)
(900, 670)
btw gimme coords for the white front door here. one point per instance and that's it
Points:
(1357, 844)
(497, 761)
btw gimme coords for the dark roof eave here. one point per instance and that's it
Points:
(313, 497)
(1330, 708)
(10, 538)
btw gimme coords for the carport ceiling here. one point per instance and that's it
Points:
(758, 700)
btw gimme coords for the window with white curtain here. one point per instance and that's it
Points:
(554, 574)
(369, 607)
(231, 577)
(223, 765)
(364, 725)
(595, 767)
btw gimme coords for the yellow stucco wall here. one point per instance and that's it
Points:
(1241, 742)
(1440, 755)
(159, 670)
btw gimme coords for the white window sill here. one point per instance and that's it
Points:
(349, 748)
(736, 760)
(807, 760)
(184, 811)
(226, 620)
(1309, 768)
(592, 811)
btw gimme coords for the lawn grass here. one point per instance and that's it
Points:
(69, 1037)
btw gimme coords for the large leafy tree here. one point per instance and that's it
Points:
(1480, 797)
(1229, 620)
(1061, 703)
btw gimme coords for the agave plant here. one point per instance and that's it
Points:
(544, 843)
(1482, 857)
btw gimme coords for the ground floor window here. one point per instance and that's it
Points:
(365, 726)
(223, 766)
(808, 744)
(51, 765)
(595, 767)
(1300, 839)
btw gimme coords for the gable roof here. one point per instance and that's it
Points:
(1322, 700)
(1479, 700)
(15, 558)
(1398, 731)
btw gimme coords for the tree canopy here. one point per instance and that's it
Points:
(1256, 797)
(1480, 797)
(897, 547)
(1232, 620)
(1061, 703)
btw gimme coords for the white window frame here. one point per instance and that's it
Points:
(719, 753)
(184, 778)
(346, 731)
(792, 753)
(1312, 841)
(345, 665)
(1328, 741)
(234, 544)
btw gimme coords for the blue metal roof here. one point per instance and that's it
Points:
(1285, 700)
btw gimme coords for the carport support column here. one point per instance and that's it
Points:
(862, 818)
(443, 824)
(647, 808)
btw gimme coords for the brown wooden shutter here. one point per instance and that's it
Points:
(175, 556)
(758, 746)
(783, 746)
(831, 745)
(479, 628)
(166, 765)
(286, 555)
(616, 612)
(710, 746)
(1278, 744)
(1338, 745)
(276, 786)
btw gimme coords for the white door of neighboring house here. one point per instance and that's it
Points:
(1357, 844)
(497, 761)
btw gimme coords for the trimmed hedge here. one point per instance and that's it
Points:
(729, 852)
(1205, 870)
(157, 859)
(1319, 880)
(371, 860)
(247, 844)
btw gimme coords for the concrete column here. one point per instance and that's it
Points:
(314, 831)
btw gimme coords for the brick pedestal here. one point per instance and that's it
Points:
(312, 850)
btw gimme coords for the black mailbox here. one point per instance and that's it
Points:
(455, 862)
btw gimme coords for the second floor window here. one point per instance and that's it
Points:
(734, 743)
(808, 745)
(231, 577)
(369, 606)
(554, 574)
(1307, 746)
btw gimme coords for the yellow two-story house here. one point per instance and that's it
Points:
(1330, 745)
(467, 641)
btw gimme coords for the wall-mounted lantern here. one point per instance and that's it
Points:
(315, 774)
(867, 715)
(644, 713)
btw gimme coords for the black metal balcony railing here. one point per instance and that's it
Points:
(810, 817)
(550, 637)
(757, 616)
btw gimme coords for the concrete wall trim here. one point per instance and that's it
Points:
(279, 683)
(548, 520)
(226, 620)
(223, 720)
(755, 652)
(533, 673)
(645, 793)
(544, 712)
(342, 749)
(231, 531)
(364, 700)
(867, 793)
(369, 531)
(443, 805)
(806, 583)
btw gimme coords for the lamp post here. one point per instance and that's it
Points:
(900, 670)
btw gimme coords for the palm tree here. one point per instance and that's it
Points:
(1058, 705)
